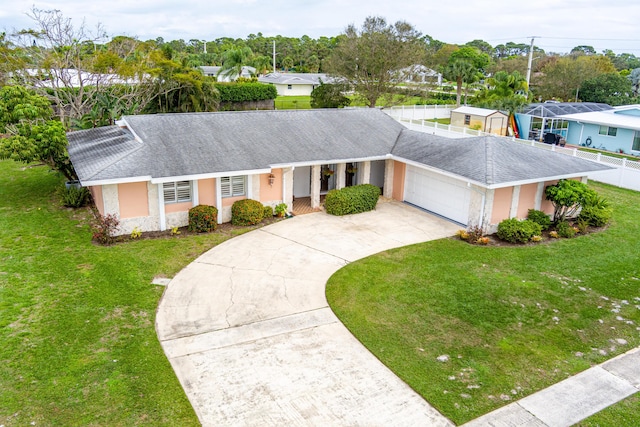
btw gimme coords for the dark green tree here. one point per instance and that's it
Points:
(377, 57)
(330, 96)
(610, 88)
(28, 132)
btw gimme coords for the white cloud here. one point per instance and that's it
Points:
(560, 25)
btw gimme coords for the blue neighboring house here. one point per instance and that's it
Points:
(615, 130)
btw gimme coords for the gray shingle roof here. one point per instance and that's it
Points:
(178, 145)
(489, 160)
(205, 143)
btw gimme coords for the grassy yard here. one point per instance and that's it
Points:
(512, 320)
(293, 102)
(77, 338)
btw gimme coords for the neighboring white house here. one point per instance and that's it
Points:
(617, 129)
(70, 77)
(294, 84)
(212, 71)
(421, 74)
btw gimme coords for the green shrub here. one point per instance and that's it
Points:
(539, 217)
(247, 212)
(242, 92)
(351, 200)
(74, 197)
(518, 231)
(203, 218)
(567, 197)
(565, 230)
(595, 216)
(281, 210)
(268, 212)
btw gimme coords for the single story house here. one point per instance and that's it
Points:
(149, 170)
(616, 129)
(294, 84)
(214, 71)
(490, 121)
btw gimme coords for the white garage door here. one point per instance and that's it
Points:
(436, 193)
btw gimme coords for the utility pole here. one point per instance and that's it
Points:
(274, 56)
(530, 61)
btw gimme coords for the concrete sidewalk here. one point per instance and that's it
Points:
(252, 340)
(573, 399)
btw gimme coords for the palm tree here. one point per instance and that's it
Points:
(461, 71)
(232, 62)
(262, 64)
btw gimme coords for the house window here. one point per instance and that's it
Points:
(636, 141)
(607, 130)
(467, 119)
(177, 192)
(289, 87)
(233, 186)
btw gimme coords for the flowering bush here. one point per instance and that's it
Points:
(247, 212)
(203, 218)
(104, 228)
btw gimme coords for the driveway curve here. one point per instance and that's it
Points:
(250, 335)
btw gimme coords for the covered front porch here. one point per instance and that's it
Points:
(312, 182)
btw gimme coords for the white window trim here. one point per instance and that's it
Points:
(179, 188)
(233, 186)
(608, 129)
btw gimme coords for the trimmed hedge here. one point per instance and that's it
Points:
(203, 218)
(243, 92)
(247, 212)
(351, 200)
(514, 230)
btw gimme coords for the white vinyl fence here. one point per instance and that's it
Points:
(625, 173)
(420, 112)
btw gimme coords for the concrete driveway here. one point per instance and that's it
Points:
(249, 333)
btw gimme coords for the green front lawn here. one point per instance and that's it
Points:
(512, 320)
(77, 338)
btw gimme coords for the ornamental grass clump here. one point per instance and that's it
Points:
(247, 212)
(74, 197)
(203, 219)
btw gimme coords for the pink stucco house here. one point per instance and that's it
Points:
(149, 170)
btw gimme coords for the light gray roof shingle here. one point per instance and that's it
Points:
(488, 160)
(192, 144)
(201, 143)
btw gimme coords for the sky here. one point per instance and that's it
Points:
(557, 25)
